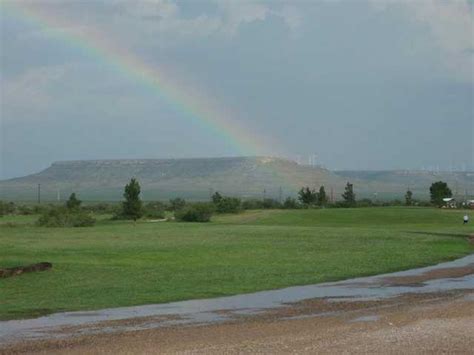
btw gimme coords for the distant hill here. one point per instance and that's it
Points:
(165, 178)
(246, 177)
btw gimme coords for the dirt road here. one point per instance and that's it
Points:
(439, 323)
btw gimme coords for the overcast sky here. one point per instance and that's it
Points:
(362, 84)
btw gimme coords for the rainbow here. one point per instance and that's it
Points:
(187, 100)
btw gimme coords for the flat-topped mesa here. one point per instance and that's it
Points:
(257, 159)
(167, 178)
(196, 178)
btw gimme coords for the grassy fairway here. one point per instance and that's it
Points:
(119, 264)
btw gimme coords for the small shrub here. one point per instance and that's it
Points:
(423, 203)
(102, 208)
(82, 219)
(290, 204)
(228, 205)
(40, 209)
(61, 217)
(7, 208)
(270, 203)
(365, 202)
(198, 212)
(176, 204)
(25, 210)
(340, 204)
(252, 204)
(155, 210)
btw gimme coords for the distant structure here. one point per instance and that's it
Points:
(449, 202)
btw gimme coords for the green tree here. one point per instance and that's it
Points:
(177, 204)
(307, 196)
(409, 198)
(132, 206)
(216, 198)
(349, 195)
(228, 205)
(73, 203)
(224, 204)
(322, 197)
(290, 203)
(438, 191)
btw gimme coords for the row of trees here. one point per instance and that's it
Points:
(132, 207)
(439, 190)
(310, 197)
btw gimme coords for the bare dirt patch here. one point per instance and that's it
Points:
(18, 270)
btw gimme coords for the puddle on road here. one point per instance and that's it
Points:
(222, 309)
(83, 314)
(366, 319)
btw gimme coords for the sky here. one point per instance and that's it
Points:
(376, 84)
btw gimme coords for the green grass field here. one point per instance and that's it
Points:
(120, 264)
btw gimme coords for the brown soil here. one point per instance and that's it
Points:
(429, 275)
(15, 271)
(412, 324)
(132, 322)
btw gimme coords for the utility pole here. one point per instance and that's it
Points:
(281, 194)
(39, 194)
(59, 195)
(264, 194)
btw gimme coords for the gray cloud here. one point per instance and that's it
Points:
(361, 85)
(451, 24)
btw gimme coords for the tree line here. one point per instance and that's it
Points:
(132, 207)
